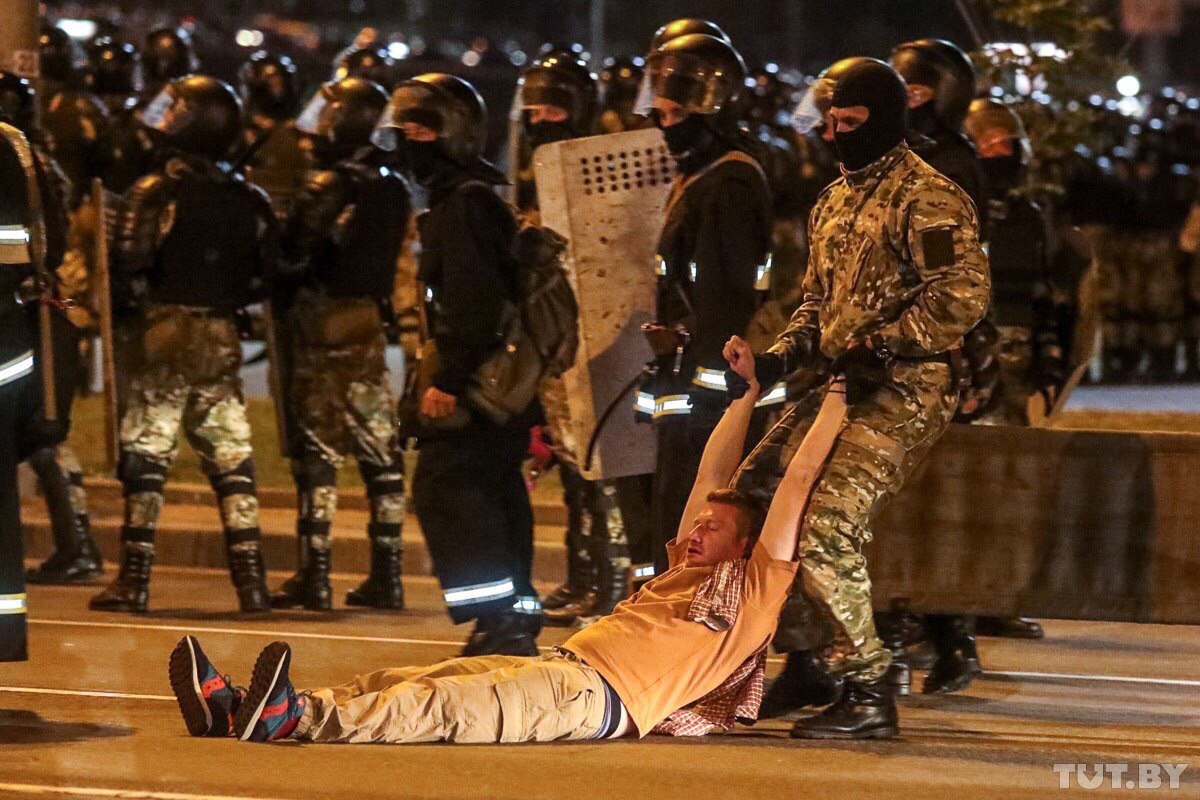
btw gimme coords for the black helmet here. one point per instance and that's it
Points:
(768, 94)
(944, 68)
(372, 63)
(991, 119)
(168, 54)
(196, 114)
(702, 73)
(620, 77)
(560, 78)
(18, 101)
(268, 84)
(341, 116)
(443, 103)
(116, 69)
(685, 27)
(61, 58)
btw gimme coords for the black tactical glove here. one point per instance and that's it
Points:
(768, 369)
(866, 369)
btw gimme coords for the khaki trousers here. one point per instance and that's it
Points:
(470, 700)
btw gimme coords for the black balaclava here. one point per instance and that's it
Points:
(541, 133)
(878, 87)
(421, 160)
(691, 142)
(1003, 173)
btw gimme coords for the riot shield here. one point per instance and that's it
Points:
(606, 195)
(279, 372)
(104, 322)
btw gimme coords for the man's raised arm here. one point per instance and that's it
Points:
(723, 452)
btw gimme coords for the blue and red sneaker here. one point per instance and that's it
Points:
(271, 709)
(206, 698)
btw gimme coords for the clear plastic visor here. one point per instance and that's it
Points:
(166, 113)
(411, 102)
(682, 79)
(309, 120)
(811, 110)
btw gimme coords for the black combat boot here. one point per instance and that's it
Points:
(309, 588)
(75, 559)
(896, 629)
(1191, 360)
(803, 683)
(864, 711)
(249, 576)
(505, 634)
(130, 591)
(580, 572)
(957, 659)
(564, 616)
(1009, 627)
(382, 588)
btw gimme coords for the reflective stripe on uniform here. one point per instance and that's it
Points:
(645, 403)
(710, 379)
(527, 605)
(479, 593)
(762, 281)
(692, 271)
(660, 266)
(19, 367)
(12, 603)
(777, 394)
(14, 244)
(642, 572)
(663, 406)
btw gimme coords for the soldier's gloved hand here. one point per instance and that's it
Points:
(867, 367)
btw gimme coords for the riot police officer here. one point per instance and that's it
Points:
(712, 256)
(203, 239)
(75, 559)
(941, 84)
(167, 54)
(116, 74)
(72, 119)
(620, 79)
(273, 154)
(341, 244)
(468, 489)
(370, 63)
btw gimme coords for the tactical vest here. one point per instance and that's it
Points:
(372, 227)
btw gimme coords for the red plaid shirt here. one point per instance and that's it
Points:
(738, 698)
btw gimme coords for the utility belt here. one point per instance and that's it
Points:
(960, 373)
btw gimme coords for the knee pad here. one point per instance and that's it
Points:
(312, 472)
(139, 474)
(239, 480)
(382, 480)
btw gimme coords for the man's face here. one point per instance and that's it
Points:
(716, 536)
(418, 133)
(669, 112)
(994, 143)
(542, 113)
(919, 95)
(845, 120)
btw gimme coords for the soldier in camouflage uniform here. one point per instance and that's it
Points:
(896, 277)
(203, 238)
(341, 244)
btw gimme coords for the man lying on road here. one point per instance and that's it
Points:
(683, 656)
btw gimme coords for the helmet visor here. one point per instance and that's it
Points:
(167, 113)
(683, 79)
(310, 120)
(411, 102)
(811, 110)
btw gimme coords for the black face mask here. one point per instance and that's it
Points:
(1003, 173)
(421, 160)
(688, 141)
(923, 119)
(541, 133)
(876, 86)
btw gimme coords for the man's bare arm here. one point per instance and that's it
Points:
(781, 531)
(723, 452)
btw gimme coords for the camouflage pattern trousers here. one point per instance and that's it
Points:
(882, 442)
(188, 379)
(1010, 402)
(343, 407)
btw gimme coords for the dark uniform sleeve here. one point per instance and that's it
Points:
(475, 285)
(144, 223)
(313, 220)
(941, 240)
(731, 245)
(270, 256)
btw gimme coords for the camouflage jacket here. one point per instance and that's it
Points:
(895, 254)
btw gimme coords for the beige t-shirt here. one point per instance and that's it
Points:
(657, 660)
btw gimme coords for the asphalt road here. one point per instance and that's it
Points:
(91, 715)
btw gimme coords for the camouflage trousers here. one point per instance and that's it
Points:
(188, 380)
(343, 407)
(1010, 402)
(884, 439)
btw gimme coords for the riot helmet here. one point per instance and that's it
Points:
(702, 73)
(620, 80)
(267, 84)
(810, 112)
(195, 115)
(341, 116)
(873, 85)
(447, 105)
(686, 27)
(944, 68)
(116, 69)
(557, 79)
(168, 54)
(1000, 141)
(767, 96)
(61, 59)
(371, 63)
(18, 102)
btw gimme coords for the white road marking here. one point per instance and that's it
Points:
(1097, 678)
(120, 794)
(83, 693)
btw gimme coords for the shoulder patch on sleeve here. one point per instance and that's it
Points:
(938, 247)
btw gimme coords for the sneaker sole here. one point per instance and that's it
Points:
(879, 733)
(271, 663)
(185, 683)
